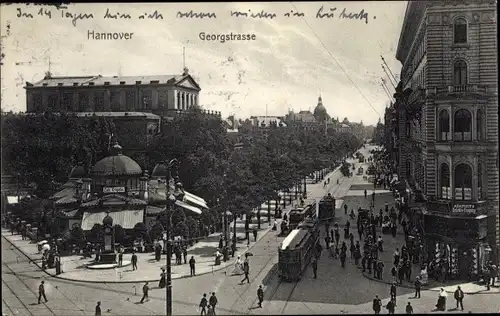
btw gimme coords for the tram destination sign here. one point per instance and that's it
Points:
(468, 209)
(113, 190)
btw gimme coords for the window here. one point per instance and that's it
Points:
(130, 100)
(83, 101)
(479, 125)
(53, 102)
(162, 99)
(115, 100)
(444, 178)
(459, 73)
(463, 125)
(99, 101)
(463, 182)
(480, 181)
(37, 102)
(460, 30)
(444, 125)
(67, 101)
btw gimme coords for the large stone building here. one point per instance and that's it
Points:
(163, 95)
(446, 107)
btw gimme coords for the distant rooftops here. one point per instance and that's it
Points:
(98, 80)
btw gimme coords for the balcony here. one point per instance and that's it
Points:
(458, 208)
(417, 95)
(458, 91)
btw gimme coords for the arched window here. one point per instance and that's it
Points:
(444, 125)
(444, 178)
(479, 125)
(463, 182)
(459, 73)
(462, 125)
(480, 181)
(460, 30)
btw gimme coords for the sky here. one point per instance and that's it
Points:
(289, 64)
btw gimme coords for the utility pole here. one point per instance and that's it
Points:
(170, 164)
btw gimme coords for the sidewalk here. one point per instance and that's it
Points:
(149, 269)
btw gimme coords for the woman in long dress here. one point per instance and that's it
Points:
(441, 304)
(238, 267)
(162, 283)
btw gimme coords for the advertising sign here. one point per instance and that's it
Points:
(468, 209)
(113, 190)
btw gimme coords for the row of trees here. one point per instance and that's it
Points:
(42, 150)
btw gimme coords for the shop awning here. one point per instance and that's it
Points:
(153, 210)
(126, 219)
(198, 201)
(188, 207)
(12, 199)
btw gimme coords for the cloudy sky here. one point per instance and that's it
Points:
(291, 62)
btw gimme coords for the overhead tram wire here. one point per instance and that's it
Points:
(340, 66)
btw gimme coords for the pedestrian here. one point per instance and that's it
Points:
(184, 254)
(98, 309)
(203, 304)
(255, 234)
(260, 295)
(363, 263)
(396, 257)
(459, 297)
(352, 250)
(327, 241)
(380, 243)
(391, 306)
(373, 197)
(409, 308)
(418, 287)
(337, 237)
(221, 242)
(394, 273)
(332, 235)
(213, 302)
(192, 263)
(246, 270)
(401, 273)
(393, 292)
(377, 305)
(345, 209)
(380, 269)
(163, 280)
(408, 270)
(120, 258)
(41, 292)
(315, 267)
(145, 292)
(343, 256)
(134, 261)
(365, 194)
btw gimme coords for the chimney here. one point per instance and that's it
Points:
(138, 82)
(106, 83)
(75, 84)
(45, 84)
(60, 84)
(143, 186)
(86, 189)
(91, 83)
(122, 82)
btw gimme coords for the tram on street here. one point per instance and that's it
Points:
(326, 209)
(299, 214)
(297, 249)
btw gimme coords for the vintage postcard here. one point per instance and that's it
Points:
(230, 158)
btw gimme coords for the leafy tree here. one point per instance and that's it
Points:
(156, 231)
(181, 229)
(55, 230)
(178, 216)
(77, 236)
(140, 231)
(119, 234)
(95, 235)
(192, 226)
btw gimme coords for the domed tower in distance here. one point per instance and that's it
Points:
(320, 113)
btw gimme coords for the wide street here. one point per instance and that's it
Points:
(337, 290)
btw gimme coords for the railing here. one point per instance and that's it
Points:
(465, 136)
(458, 89)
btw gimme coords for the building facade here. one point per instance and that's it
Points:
(164, 95)
(446, 105)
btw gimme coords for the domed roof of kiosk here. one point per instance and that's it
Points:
(116, 164)
(77, 172)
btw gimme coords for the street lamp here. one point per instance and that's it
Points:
(170, 202)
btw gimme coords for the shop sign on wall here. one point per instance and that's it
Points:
(467, 209)
(108, 190)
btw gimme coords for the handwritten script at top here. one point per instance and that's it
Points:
(62, 12)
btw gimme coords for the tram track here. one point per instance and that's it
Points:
(295, 283)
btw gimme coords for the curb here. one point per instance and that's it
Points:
(424, 288)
